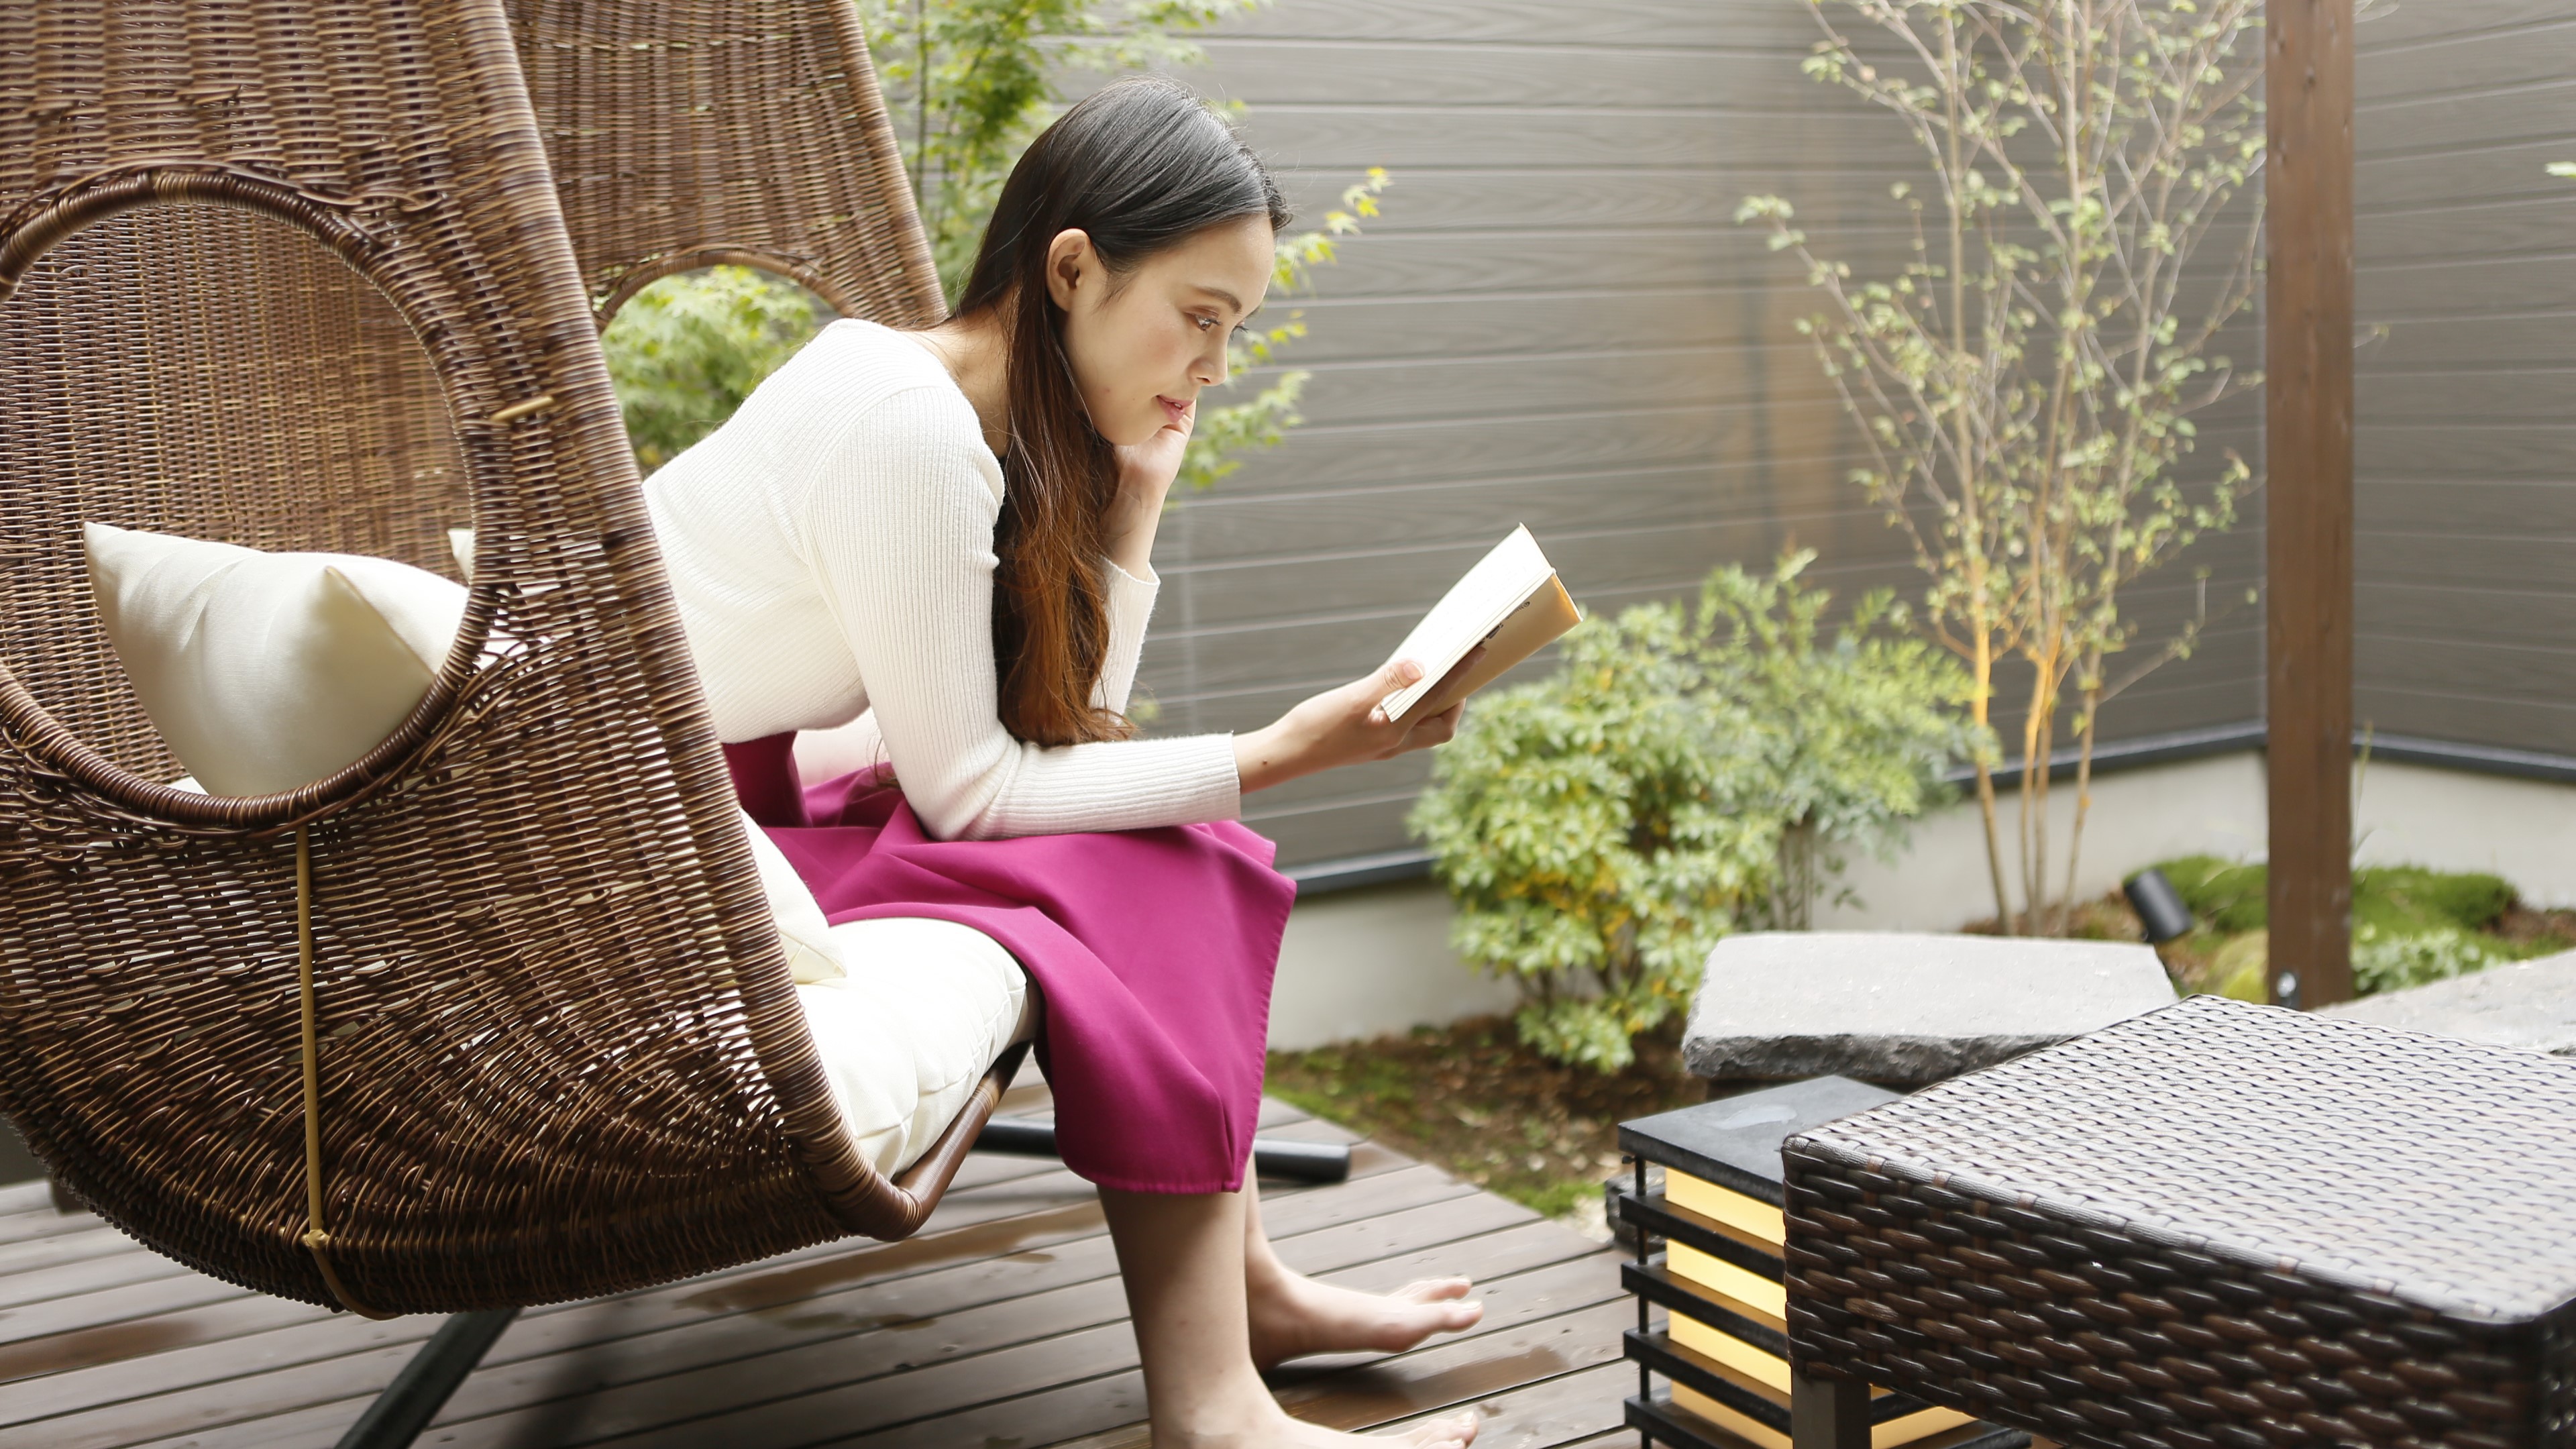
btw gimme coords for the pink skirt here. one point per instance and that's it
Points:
(1153, 951)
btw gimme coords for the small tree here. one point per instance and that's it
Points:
(2025, 383)
(1855, 729)
(1602, 828)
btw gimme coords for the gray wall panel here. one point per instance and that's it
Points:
(2465, 405)
(1556, 321)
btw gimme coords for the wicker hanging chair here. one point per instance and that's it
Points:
(684, 134)
(295, 274)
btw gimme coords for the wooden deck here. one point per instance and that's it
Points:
(1001, 1326)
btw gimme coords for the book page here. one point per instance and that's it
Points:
(1541, 617)
(1510, 598)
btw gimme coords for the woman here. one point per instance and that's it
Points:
(949, 530)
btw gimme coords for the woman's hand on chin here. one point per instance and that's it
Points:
(1343, 727)
(1146, 469)
(1145, 474)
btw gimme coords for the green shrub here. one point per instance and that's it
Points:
(2388, 960)
(1602, 828)
(684, 352)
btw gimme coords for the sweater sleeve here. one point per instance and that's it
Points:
(1131, 606)
(900, 536)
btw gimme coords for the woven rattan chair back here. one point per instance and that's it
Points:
(684, 135)
(292, 274)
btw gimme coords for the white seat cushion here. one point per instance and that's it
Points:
(906, 1034)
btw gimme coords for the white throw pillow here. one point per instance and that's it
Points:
(266, 671)
(904, 1038)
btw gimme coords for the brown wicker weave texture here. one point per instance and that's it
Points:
(292, 274)
(2215, 1224)
(684, 133)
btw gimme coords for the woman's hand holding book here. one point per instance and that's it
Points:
(1344, 727)
(1509, 606)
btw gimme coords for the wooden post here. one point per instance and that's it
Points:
(2307, 419)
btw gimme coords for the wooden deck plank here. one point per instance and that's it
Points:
(344, 1363)
(819, 1389)
(1575, 1406)
(180, 1291)
(55, 1281)
(84, 1367)
(114, 1305)
(330, 1358)
(44, 1222)
(1005, 1318)
(90, 1366)
(339, 1361)
(920, 1320)
(1084, 1407)
(1107, 1412)
(97, 1240)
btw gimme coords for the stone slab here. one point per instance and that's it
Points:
(2530, 1004)
(1905, 1008)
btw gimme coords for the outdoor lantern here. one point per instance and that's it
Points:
(1725, 1349)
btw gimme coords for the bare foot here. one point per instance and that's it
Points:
(1293, 1315)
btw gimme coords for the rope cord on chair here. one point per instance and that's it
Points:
(317, 1236)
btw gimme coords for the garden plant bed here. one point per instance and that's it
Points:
(1474, 1100)
(2411, 926)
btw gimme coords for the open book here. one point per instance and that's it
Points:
(1510, 602)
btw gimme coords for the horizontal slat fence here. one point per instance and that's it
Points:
(2464, 448)
(1556, 322)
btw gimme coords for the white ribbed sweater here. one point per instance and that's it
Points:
(831, 547)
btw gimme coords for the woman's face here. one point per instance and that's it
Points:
(1142, 348)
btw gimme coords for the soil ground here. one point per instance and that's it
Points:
(1472, 1099)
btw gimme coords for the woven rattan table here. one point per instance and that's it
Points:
(2212, 1225)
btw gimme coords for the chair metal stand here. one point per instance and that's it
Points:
(423, 1387)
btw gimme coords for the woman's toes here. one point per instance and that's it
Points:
(1442, 1293)
(1445, 1433)
(1433, 1290)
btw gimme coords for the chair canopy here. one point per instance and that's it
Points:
(294, 274)
(685, 134)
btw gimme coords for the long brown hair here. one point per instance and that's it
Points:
(1139, 166)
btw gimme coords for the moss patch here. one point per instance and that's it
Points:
(2409, 925)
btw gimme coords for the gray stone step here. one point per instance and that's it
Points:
(1905, 1009)
(2529, 1004)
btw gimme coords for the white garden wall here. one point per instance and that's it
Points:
(1366, 962)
